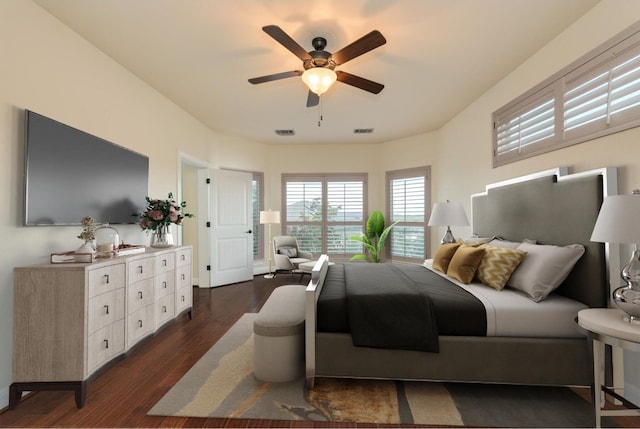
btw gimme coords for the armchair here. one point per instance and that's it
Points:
(287, 255)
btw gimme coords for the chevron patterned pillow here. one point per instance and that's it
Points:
(497, 264)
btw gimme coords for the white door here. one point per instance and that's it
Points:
(231, 227)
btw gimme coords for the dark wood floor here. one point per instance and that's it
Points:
(121, 395)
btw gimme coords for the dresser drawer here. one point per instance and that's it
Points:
(140, 269)
(105, 309)
(140, 324)
(140, 294)
(165, 284)
(184, 298)
(183, 275)
(105, 344)
(183, 257)
(105, 279)
(165, 262)
(165, 309)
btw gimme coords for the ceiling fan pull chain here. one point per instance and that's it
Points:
(320, 118)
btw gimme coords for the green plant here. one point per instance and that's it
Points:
(374, 239)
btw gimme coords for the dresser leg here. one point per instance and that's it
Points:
(78, 387)
(14, 396)
(81, 394)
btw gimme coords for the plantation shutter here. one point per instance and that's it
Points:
(521, 129)
(407, 203)
(596, 95)
(322, 212)
(606, 97)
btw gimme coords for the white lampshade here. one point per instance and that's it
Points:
(448, 214)
(319, 79)
(618, 220)
(269, 216)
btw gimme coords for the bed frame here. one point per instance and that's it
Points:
(552, 207)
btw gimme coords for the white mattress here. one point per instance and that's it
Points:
(511, 314)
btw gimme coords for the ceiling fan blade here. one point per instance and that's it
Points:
(359, 82)
(285, 40)
(364, 44)
(276, 76)
(312, 99)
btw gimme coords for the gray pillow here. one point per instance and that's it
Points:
(544, 268)
(289, 251)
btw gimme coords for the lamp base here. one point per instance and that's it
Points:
(627, 298)
(448, 237)
(270, 276)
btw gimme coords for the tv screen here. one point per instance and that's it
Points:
(70, 174)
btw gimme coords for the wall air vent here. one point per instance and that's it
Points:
(363, 131)
(285, 132)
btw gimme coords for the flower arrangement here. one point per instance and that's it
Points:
(88, 229)
(161, 213)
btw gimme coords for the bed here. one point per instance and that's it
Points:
(534, 343)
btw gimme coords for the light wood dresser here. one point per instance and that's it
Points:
(70, 320)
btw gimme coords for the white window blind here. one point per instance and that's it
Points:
(607, 97)
(597, 95)
(407, 206)
(529, 125)
(323, 211)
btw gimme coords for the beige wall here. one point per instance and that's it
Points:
(49, 69)
(464, 158)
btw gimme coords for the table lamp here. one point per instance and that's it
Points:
(269, 217)
(619, 222)
(447, 214)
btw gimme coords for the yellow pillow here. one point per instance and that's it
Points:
(497, 264)
(465, 262)
(443, 256)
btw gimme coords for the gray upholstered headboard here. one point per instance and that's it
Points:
(552, 210)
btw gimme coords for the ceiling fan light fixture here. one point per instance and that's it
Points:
(319, 79)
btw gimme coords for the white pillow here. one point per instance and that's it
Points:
(544, 268)
(498, 242)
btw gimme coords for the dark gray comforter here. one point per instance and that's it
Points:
(396, 306)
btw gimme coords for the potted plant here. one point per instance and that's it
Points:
(374, 239)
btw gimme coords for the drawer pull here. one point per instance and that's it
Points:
(164, 308)
(140, 294)
(183, 276)
(106, 309)
(139, 269)
(183, 258)
(164, 285)
(164, 262)
(139, 323)
(182, 296)
(106, 278)
(106, 344)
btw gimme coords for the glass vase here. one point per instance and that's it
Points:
(162, 237)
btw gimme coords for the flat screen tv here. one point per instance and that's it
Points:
(70, 174)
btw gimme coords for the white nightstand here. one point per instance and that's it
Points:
(605, 326)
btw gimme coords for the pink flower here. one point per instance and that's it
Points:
(155, 214)
(173, 214)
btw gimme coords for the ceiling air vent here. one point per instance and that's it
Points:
(363, 131)
(285, 132)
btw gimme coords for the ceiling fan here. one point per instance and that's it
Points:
(319, 65)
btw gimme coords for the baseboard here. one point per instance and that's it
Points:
(4, 398)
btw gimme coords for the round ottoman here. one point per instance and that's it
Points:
(278, 336)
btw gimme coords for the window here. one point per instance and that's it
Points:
(407, 202)
(258, 205)
(323, 211)
(597, 95)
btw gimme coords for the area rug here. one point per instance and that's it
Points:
(221, 384)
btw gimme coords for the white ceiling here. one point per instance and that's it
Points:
(439, 57)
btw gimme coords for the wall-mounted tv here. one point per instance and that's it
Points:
(70, 174)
